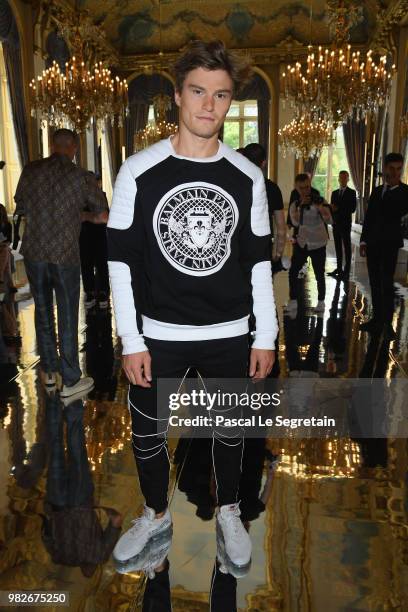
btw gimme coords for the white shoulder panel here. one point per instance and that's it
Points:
(259, 210)
(124, 193)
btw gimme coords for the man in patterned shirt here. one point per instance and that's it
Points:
(52, 194)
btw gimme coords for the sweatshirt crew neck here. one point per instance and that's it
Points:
(202, 160)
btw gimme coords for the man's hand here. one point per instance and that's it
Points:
(138, 368)
(261, 363)
(363, 250)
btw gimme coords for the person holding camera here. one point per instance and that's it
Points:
(310, 214)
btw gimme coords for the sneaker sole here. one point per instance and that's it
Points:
(235, 569)
(81, 395)
(80, 392)
(134, 563)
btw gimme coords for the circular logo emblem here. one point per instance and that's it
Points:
(193, 224)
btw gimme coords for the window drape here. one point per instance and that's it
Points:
(10, 40)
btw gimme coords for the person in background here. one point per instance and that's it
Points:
(52, 194)
(7, 289)
(295, 195)
(5, 254)
(94, 261)
(310, 214)
(381, 239)
(343, 202)
(257, 155)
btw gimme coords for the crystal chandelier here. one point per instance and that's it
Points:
(160, 128)
(337, 83)
(79, 95)
(305, 137)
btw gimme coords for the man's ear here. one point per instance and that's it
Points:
(177, 98)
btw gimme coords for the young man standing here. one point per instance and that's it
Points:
(343, 203)
(189, 261)
(381, 239)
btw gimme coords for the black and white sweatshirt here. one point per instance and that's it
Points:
(189, 249)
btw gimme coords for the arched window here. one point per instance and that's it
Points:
(332, 160)
(241, 124)
(142, 90)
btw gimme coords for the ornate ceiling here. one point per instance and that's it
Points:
(132, 26)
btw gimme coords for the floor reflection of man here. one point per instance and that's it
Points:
(336, 331)
(99, 353)
(195, 478)
(72, 529)
(374, 450)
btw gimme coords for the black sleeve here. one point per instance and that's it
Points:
(274, 195)
(353, 205)
(368, 219)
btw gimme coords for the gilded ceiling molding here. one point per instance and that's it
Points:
(287, 50)
(57, 14)
(383, 39)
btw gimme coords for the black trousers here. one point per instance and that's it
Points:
(342, 238)
(299, 258)
(381, 263)
(225, 358)
(94, 257)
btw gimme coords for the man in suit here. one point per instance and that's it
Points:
(343, 202)
(381, 239)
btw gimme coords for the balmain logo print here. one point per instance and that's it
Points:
(193, 224)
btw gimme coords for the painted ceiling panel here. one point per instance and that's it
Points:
(133, 25)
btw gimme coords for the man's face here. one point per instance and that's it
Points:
(204, 101)
(393, 172)
(343, 179)
(304, 188)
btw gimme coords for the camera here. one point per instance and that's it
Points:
(316, 199)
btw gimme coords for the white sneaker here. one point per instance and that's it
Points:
(82, 386)
(320, 306)
(234, 546)
(150, 557)
(291, 306)
(131, 547)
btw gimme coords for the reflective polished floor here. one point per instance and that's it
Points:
(328, 521)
